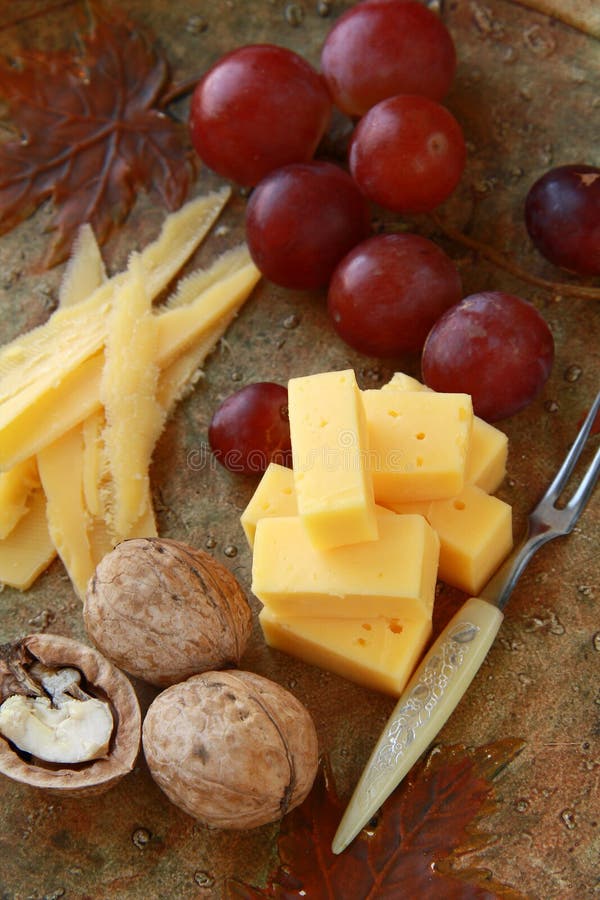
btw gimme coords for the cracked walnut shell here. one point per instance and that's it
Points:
(102, 680)
(162, 611)
(232, 749)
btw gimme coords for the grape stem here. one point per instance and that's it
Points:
(500, 260)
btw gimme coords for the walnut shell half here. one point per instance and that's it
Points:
(103, 681)
(163, 611)
(233, 749)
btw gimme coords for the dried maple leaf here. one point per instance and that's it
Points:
(422, 831)
(91, 132)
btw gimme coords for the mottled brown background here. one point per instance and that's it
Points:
(528, 95)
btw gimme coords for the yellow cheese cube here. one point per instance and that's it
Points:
(488, 450)
(475, 532)
(418, 443)
(486, 461)
(329, 450)
(376, 653)
(394, 576)
(274, 496)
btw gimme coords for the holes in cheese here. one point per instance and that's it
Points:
(475, 532)
(379, 654)
(488, 450)
(394, 576)
(421, 452)
(328, 431)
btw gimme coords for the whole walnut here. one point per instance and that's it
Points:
(232, 749)
(163, 611)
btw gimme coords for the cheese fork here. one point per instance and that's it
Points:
(452, 662)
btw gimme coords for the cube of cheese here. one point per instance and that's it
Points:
(488, 451)
(377, 653)
(394, 576)
(475, 532)
(275, 495)
(329, 451)
(418, 443)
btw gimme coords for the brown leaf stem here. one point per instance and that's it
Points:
(500, 260)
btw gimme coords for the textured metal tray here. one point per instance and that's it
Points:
(527, 95)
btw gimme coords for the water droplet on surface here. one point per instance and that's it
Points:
(203, 879)
(324, 8)
(522, 805)
(294, 14)
(586, 590)
(291, 321)
(551, 406)
(524, 679)
(210, 543)
(568, 817)
(196, 25)
(141, 837)
(573, 373)
(539, 41)
(596, 641)
(236, 376)
(230, 550)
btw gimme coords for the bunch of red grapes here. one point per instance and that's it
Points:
(258, 117)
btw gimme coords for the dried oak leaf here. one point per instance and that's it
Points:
(90, 132)
(412, 850)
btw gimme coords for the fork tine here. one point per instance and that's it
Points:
(561, 478)
(578, 501)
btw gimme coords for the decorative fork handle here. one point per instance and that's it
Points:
(429, 698)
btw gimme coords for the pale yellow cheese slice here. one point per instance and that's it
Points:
(376, 653)
(418, 443)
(28, 549)
(84, 271)
(77, 394)
(393, 577)
(16, 488)
(275, 495)
(61, 474)
(134, 418)
(329, 450)
(36, 362)
(488, 450)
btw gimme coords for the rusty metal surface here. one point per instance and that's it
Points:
(528, 95)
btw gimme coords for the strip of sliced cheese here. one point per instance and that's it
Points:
(134, 418)
(84, 271)
(28, 549)
(16, 488)
(77, 395)
(38, 360)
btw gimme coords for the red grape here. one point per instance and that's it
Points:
(386, 293)
(562, 215)
(251, 428)
(495, 347)
(301, 220)
(259, 107)
(387, 47)
(407, 154)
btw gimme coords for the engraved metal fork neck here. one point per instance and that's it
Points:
(547, 521)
